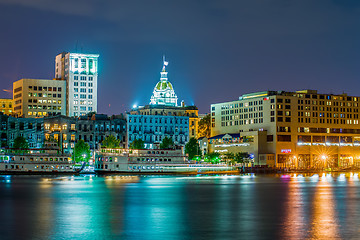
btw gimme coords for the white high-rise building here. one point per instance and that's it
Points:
(81, 74)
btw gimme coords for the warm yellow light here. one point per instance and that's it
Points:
(323, 157)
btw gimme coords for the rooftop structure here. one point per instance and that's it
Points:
(164, 93)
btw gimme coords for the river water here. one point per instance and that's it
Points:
(180, 207)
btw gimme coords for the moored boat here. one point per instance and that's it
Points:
(143, 161)
(36, 161)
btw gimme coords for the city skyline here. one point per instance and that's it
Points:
(217, 53)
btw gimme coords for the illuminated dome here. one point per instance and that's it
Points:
(164, 93)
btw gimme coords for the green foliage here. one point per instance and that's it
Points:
(213, 157)
(167, 143)
(192, 148)
(137, 144)
(111, 142)
(241, 157)
(20, 143)
(81, 152)
(204, 129)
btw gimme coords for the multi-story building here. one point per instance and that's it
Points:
(163, 117)
(152, 129)
(6, 106)
(187, 111)
(81, 74)
(92, 129)
(32, 129)
(289, 129)
(39, 97)
(3, 129)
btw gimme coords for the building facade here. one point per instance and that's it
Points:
(6, 106)
(299, 129)
(39, 97)
(92, 129)
(80, 71)
(32, 129)
(152, 129)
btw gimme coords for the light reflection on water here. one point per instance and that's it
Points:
(294, 206)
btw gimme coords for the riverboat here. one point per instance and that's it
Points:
(143, 161)
(36, 161)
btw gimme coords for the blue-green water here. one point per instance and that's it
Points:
(180, 207)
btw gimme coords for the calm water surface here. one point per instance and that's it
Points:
(172, 207)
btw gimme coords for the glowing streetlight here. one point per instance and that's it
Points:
(324, 158)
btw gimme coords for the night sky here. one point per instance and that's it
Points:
(217, 50)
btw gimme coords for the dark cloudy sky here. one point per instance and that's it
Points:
(218, 50)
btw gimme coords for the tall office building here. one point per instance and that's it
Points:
(81, 74)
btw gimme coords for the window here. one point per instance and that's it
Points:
(83, 84)
(76, 90)
(76, 84)
(76, 95)
(90, 78)
(82, 96)
(76, 77)
(90, 84)
(83, 78)
(90, 90)
(90, 96)
(83, 63)
(284, 138)
(83, 90)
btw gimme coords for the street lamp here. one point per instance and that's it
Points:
(323, 158)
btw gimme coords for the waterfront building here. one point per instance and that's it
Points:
(39, 97)
(6, 106)
(32, 129)
(152, 129)
(289, 129)
(80, 71)
(162, 117)
(93, 129)
(3, 129)
(204, 145)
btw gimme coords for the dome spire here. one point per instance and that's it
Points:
(164, 93)
(163, 73)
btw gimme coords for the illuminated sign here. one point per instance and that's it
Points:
(266, 99)
(233, 145)
(285, 150)
(225, 150)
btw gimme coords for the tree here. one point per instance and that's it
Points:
(111, 142)
(241, 157)
(167, 143)
(204, 129)
(213, 157)
(192, 148)
(81, 152)
(20, 143)
(229, 157)
(137, 144)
